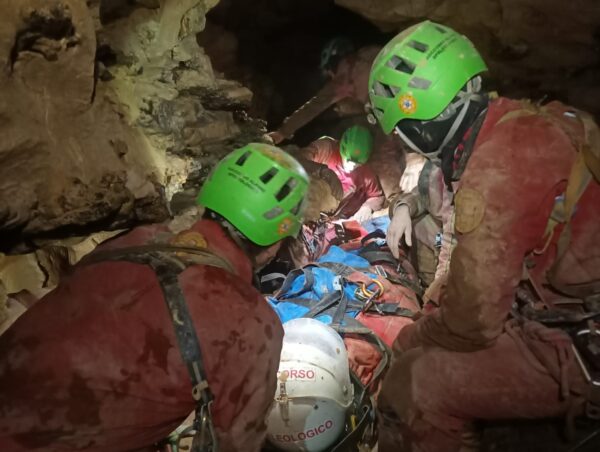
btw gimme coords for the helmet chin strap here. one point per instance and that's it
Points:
(464, 100)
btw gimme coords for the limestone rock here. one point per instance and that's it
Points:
(534, 48)
(168, 85)
(66, 156)
(106, 108)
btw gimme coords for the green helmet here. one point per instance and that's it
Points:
(260, 190)
(418, 73)
(356, 144)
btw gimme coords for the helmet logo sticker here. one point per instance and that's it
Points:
(407, 104)
(284, 226)
(297, 374)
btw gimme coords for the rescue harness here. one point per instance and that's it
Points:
(167, 262)
(582, 324)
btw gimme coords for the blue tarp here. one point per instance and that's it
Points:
(373, 224)
(325, 282)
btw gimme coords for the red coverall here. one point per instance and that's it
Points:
(95, 365)
(361, 185)
(464, 362)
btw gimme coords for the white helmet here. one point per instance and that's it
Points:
(314, 390)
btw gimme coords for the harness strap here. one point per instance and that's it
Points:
(461, 158)
(199, 256)
(365, 408)
(327, 302)
(164, 261)
(378, 256)
(339, 269)
(272, 277)
(309, 281)
(340, 312)
(376, 234)
(585, 169)
(423, 182)
(353, 326)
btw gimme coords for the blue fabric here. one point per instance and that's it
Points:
(325, 282)
(377, 223)
(339, 256)
(288, 311)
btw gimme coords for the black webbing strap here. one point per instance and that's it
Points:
(340, 312)
(423, 182)
(378, 256)
(167, 268)
(364, 409)
(353, 326)
(309, 280)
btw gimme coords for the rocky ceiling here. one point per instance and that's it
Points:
(109, 107)
(534, 48)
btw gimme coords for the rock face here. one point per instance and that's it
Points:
(106, 108)
(533, 47)
(66, 156)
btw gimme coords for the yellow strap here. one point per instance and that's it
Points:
(591, 148)
(585, 168)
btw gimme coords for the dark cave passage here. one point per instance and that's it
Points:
(274, 47)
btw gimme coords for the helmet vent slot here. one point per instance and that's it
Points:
(399, 64)
(381, 89)
(441, 30)
(265, 178)
(242, 159)
(286, 189)
(296, 208)
(419, 46)
(273, 213)
(419, 83)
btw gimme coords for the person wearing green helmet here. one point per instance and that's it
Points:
(348, 158)
(155, 324)
(259, 190)
(346, 70)
(429, 106)
(525, 184)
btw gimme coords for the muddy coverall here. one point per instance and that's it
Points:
(361, 187)
(430, 206)
(95, 364)
(464, 361)
(347, 89)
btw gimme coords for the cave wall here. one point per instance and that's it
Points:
(107, 109)
(66, 157)
(534, 48)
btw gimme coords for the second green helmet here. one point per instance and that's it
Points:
(260, 190)
(356, 144)
(418, 73)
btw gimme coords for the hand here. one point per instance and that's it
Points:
(276, 136)
(363, 214)
(401, 226)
